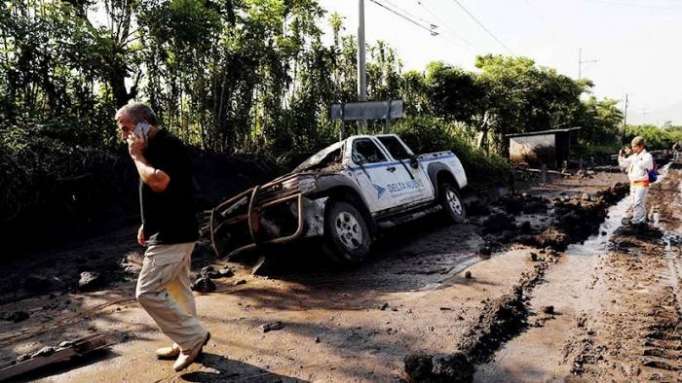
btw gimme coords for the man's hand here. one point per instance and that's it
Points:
(136, 145)
(140, 235)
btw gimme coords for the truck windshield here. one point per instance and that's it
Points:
(322, 158)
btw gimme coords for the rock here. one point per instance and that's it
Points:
(204, 285)
(548, 310)
(317, 339)
(90, 280)
(586, 197)
(467, 275)
(239, 282)
(274, 326)
(455, 367)
(485, 250)
(383, 307)
(210, 272)
(37, 283)
(226, 272)
(533, 257)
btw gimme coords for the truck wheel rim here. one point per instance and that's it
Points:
(454, 202)
(348, 230)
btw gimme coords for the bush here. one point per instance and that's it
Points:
(51, 188)
(430, 134)
(655, 137)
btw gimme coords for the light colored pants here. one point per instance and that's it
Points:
(164, 290)
(638, 194)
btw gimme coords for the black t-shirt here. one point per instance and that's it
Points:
(169, 216)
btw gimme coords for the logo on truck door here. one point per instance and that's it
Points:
(405, 187)
(380, 190)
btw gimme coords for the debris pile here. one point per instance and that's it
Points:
(90, 280)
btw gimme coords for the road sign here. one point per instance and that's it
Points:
(370, 110)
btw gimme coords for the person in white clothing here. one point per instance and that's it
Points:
(637, 162)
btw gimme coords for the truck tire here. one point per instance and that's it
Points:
(452, 203)
(346, 234)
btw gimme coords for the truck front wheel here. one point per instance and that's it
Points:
(452, 203)
(347, 236)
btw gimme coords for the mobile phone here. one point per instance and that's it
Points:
(142, 130)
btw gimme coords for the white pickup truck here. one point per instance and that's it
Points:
(344, 194)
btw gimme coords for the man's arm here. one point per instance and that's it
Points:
(623, 161)
(156, 179)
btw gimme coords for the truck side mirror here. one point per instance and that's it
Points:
(413, 162)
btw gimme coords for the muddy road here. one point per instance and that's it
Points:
(543, 286)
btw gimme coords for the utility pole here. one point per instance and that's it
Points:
(362, 75)
(581, 62)
(625, 118)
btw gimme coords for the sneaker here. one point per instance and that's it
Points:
(186, 358)
(168, 352)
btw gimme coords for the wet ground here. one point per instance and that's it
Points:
(548, 310)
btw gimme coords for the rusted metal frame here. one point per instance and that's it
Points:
(281, 240)
(233, 199)
(252, 201)
(212, 226)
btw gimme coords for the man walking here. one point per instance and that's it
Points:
(169, 230)
(637, 165)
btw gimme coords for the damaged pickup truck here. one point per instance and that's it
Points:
(344, 194)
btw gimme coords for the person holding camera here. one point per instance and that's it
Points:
(639, 165)
(169, 231)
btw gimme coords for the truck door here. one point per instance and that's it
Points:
(417, 187)
(374, 173)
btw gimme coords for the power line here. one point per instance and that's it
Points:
(480, 24)
(452, 31)
(408, 13)
(429, 29)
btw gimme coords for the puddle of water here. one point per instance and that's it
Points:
(463, 263)
(598, 243)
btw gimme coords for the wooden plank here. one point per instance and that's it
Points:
(76, 348)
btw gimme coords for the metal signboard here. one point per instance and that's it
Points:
(370, 110)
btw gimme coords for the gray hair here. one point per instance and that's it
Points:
(638, 141)
(139, 112)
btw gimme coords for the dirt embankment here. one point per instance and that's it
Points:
(88, 219)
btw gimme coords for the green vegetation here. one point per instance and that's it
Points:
(655, 137)
(245, 76)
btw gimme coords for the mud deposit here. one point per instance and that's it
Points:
(436, 303)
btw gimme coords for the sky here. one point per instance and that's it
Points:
(636, 43)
